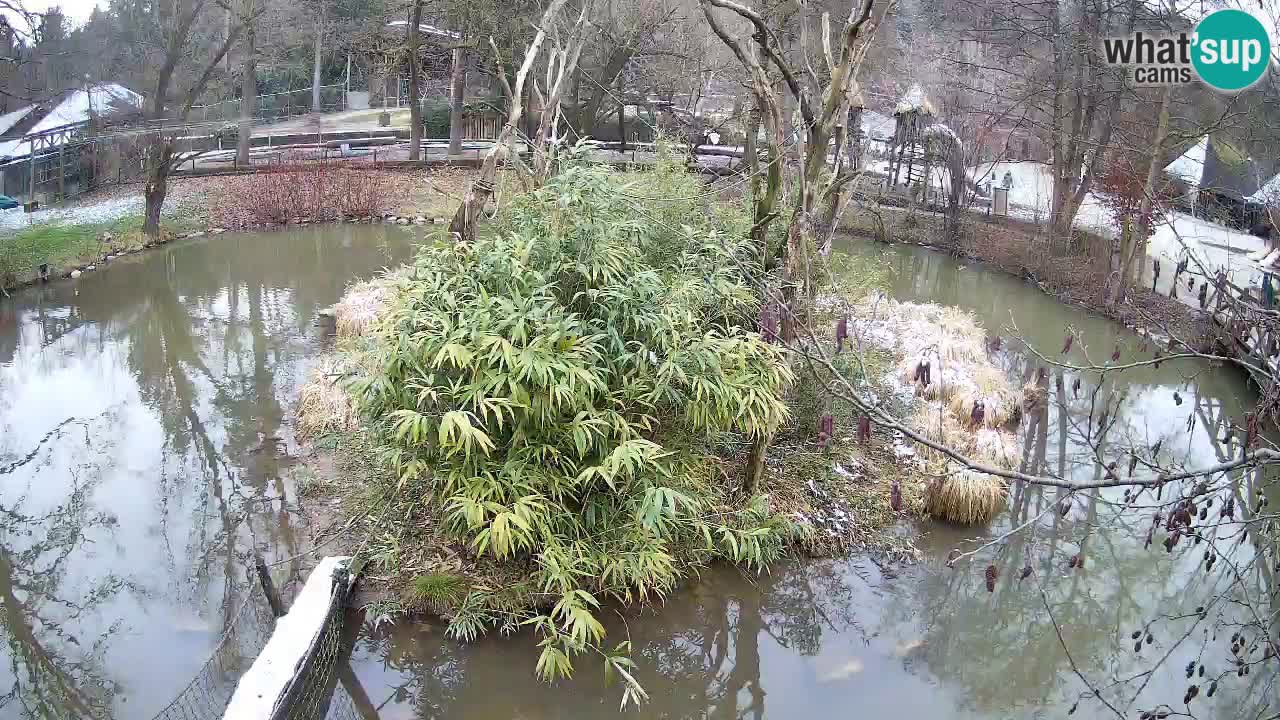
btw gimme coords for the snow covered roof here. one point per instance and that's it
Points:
(1269, 193)
(75, 108)
(1189, 166)
(938, 130)
(10, 119)
(877, 126)
(427, 29)
(914, 101)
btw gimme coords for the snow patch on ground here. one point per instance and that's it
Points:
(1031, 194)
(1211, 247)
(89, 213)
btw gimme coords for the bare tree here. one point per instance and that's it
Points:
(481, 189)
(247, 12)
(414, 37)
(173, 97)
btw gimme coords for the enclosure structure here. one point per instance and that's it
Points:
(912, 116)
(854, 134)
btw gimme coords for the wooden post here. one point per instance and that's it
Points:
(31, 166)
(62, 172)
(268, 587)
(622, 118)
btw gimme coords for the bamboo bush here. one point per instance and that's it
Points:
(560, 385)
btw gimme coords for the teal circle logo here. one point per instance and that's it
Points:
(1231, 50)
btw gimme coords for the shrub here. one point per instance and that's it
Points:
(559, 387)
(965, 497)
(318, 191)
(435, 119)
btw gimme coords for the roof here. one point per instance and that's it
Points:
(76, 107)
(1269, 193)
(914, 101)
(9, 119)
(877, 126)
(1228, 170)
(938, 130)
(1189, 166)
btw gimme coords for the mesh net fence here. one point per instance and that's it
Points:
(318, 690)
(244, 636)
(320, 686)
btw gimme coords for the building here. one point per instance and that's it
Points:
(45, 151)
(1220, 180)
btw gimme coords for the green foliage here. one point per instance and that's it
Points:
(62, 245)
(435, 119)
(561, 385)
(439, 589)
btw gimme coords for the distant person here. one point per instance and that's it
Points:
(1007, 184)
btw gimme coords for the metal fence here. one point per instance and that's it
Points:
(323, 686)
(206, 696)
(315, 693)
(274, 106)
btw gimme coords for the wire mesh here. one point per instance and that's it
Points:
(246, 633)
(313, 693)
(318, 688)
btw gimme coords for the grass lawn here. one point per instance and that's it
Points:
(63, 246)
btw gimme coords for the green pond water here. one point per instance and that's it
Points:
(146, 445)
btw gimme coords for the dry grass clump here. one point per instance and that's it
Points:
(1034, 395)
(324, 405)
(968, 403)
(965, 497)
(360, 308)
(990, 386)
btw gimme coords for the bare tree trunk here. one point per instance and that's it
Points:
(752, 153)
(415, 82)
(457, 98)
(157, 186)
(1138, 247)
(226, 30)
(315, 63)
(955, 198)
(467, 217)
(755, 464)
(248, 96)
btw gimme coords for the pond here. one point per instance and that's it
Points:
(145, 443)
(837, 638)
(145, 448)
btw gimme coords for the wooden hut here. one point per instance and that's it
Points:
(912, 115)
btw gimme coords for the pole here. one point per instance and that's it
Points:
(622, 118)
(268, 587)
(62, 172)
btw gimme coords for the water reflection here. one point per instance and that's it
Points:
(780, 645)
(841, 638)
(145, 446)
